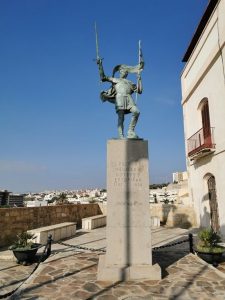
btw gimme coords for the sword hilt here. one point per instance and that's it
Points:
(96, 59)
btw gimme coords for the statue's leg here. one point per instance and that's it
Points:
(120, 123)
(135, 115)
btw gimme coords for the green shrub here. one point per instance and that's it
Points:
(208, 241)
(24, 241)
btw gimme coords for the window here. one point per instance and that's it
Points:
(206, 122)
(202, 140)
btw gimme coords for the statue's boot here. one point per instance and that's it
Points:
(120, 125)
(131, 133)
(120, 132)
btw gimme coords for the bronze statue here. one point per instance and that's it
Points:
(121, 92)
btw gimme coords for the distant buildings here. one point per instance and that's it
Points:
(203, 101)
(9, 199)
(4, 197)
(163, 195)
(179, 177)
(36, 203)
(16, 200)
(65, 197)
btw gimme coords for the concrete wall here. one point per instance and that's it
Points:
(16, 220)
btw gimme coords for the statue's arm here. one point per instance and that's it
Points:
(101, 70)
(139, 84)
(103, 77)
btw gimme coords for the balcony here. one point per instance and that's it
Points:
(201, 143)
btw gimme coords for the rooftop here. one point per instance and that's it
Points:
(210, 8)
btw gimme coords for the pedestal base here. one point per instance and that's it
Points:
(120, 273)
(128, 233)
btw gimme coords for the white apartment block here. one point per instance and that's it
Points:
(36, 203)
(203, 101)
(179, 176)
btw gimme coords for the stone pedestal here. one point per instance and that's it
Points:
(129, 253)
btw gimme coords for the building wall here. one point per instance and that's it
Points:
(179, 176)
(174, 215)
(208, 48)
(4, 197)
(16, 220)
(15, 200)
(36, 203)
(204, 76)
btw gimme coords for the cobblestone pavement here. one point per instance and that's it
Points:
(12, 275)
(69, 274)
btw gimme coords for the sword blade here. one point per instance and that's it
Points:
(96, 41)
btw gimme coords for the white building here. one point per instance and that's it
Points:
(203, 101)
(162, 195)
(36, 203)
(179, 176)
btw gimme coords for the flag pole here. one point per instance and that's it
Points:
(139, 60)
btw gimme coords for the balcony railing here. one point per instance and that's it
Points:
(202, 139)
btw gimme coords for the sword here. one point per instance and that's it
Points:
(96, 42)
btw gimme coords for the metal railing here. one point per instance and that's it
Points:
(202, 139)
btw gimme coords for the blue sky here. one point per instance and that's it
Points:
(53, 125)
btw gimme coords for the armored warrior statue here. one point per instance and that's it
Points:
(121, 92)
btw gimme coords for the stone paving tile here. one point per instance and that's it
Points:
(186, 279)
(11, 275)
(70, 274)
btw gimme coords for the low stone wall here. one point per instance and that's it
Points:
(16, 220)
(94, 222)
(174, 215)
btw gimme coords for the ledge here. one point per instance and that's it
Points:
(201, 153)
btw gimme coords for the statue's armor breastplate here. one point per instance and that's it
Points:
(123, 95)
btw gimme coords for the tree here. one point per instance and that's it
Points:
(62, 199)
(157, 185)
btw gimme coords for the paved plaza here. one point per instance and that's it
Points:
(70, 273)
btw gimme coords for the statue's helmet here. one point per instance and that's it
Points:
(129, 69)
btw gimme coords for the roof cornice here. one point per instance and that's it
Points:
(208, 12)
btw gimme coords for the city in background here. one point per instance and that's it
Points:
(176, 192)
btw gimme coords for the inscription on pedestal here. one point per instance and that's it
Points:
(125, 174)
